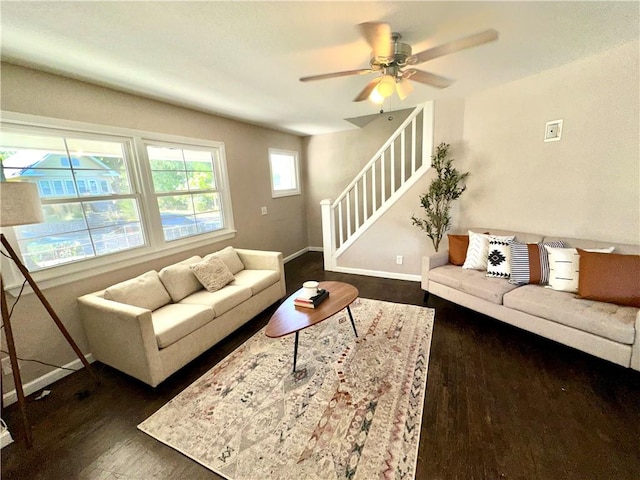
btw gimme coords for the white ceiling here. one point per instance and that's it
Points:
(244, 59)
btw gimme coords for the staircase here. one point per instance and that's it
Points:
(403, 159)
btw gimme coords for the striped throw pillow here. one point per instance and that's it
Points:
(564, 267)
(530, 262)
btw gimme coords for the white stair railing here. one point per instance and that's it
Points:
(397, 165)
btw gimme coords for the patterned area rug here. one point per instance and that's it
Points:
(352, 410)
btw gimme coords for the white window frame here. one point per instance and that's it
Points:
(296, 165)
(140, 176)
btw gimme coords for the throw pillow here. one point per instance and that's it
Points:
(478, 250)
(458, 245)
(530, 262)
(611, 278)
(230, 258)
(564, 267)
(144, 291)
(499, 259)
(212, 273)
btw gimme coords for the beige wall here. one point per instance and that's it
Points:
(32, 92)
(585, 185)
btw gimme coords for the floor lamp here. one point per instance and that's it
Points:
(20, 205)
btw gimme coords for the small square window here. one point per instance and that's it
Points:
(285, 174)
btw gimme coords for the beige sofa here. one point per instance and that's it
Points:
(151, 326)
(605, 330)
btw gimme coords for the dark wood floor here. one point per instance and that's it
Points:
(500, 404)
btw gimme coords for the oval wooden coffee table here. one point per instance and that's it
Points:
(289, 318)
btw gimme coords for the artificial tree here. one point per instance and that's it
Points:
(446, 187)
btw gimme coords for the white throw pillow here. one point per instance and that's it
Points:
(564, 267)
(144, 291)
(212, 273)
(499, 259)
(478, 250)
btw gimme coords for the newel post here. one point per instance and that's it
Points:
(328, 234)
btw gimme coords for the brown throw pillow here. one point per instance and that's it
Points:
(458, 246)
(609, 277)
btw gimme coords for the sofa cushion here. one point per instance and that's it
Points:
(179, 279)
(256, 280)
(221, 301)
(230, 258)
(603, 319)
(473, 282)
(175, 321)
(530, 262)
(564, 267)
(212, 273)
(144, 291)
(610, 278)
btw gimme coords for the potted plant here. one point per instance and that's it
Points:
(446, 187)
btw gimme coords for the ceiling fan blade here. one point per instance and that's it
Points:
(428, 78)
(455, 46)
(404, 88)
(362, 71)
(364, 94)
(378, 36)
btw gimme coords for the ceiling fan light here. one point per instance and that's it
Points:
(386, 86)
(375, 96)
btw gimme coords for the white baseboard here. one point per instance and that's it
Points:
(45, 380)
(375, 273)
(295, 255)
(316, 249)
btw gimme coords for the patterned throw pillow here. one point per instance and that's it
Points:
(212, 273)
(564, 267)
(530, 262)
(478, 251)
(499, 259)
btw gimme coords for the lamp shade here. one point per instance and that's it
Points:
(19, 204)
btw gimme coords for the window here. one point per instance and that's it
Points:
(186, 190)
(110, 198)
(285, 177)
(76, 227)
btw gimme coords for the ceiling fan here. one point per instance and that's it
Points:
(394, 61)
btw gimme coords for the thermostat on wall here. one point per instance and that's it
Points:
(553, 131)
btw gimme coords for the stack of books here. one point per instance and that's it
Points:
(311, 302)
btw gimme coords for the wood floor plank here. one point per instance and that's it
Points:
(500, 403)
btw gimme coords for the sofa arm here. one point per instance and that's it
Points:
(122, 336)
(260, 260)
(430, 262)
(635, 348)
(264, 260)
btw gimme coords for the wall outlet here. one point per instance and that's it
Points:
(399, 259)
(264, 210)
(6, 366)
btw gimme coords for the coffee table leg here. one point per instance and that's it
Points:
(295, 353)
(352, 322)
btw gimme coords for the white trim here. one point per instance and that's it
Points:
(378, 273)
(315, 249)
(45, 380)
(295, 255)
